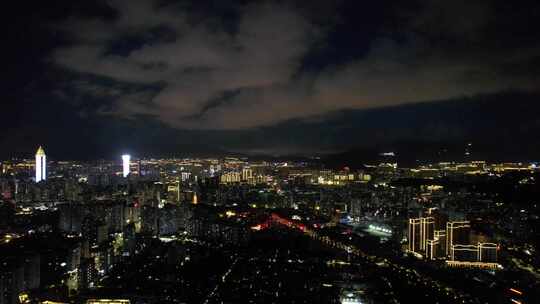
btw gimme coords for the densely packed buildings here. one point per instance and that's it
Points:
(67, 229)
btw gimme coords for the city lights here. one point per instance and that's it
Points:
(381, 229)
(344, 152)
(174, 211)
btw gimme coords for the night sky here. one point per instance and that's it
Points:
(90, 79)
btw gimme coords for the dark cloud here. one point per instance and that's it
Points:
(199, 65)
(236, 74)
(439, 51)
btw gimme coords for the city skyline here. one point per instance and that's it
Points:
(124, 231)
(270, 151)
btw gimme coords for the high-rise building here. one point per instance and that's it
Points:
(464, 253)
(420, 231)
(414, 235)
(87, 273)
(432, 249)
(231, 177)
(487, 252)
(436, 247)
(41, 165)
(427, 226)
(457, 233)
(247, 174)
(480, 253)
(125, 164)
(440, 218)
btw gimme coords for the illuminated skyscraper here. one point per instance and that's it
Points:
(457, 233)
(125, 164)
(41, 165)
(414, 235)
(428, 228)
(420, 231)
(440, 218)
(432, 246)
(436, 247)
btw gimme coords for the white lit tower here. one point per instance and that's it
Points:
(125, 164)
(41, 165)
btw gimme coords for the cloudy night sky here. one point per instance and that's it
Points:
(91, 79)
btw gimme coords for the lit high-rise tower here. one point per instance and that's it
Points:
(457, 233)
(41, 165)
(125, 164)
